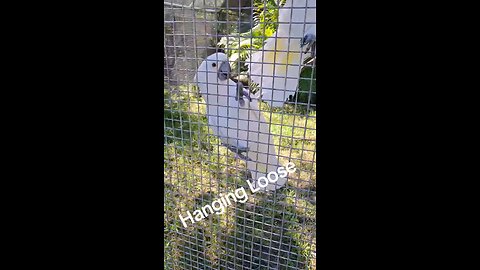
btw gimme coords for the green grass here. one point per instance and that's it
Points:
(199, 170)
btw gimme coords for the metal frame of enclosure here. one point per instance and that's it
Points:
(270, 230)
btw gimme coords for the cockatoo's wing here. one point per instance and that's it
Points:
(276, 68)
(223, 120)
(262, 152)
(247, 126)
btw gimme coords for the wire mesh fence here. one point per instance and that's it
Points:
(232, 130)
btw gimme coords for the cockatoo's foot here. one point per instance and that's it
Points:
(246, 93)
(242, 157)
(238, 150)
(241, 102)
(310, 41)
(241, 93)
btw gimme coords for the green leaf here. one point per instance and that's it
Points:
(307, 86)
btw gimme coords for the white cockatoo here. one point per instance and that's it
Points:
(236, 120)
(276, 68)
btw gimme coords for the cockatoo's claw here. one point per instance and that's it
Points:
(242, 92)
(242, 157)
(236, 149)
(242, 149)
(247, 94)
(241, 102)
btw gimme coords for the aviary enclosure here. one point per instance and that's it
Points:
(216, 215)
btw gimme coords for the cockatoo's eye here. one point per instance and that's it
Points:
(214, 65)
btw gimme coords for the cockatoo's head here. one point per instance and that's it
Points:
(214, 70)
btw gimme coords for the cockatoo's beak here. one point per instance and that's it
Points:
(310, 41)
(224, 71)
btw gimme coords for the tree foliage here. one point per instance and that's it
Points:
(239, 45)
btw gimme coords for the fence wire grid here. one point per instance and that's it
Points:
(274, 229)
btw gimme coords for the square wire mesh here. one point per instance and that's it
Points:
(270, 230)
